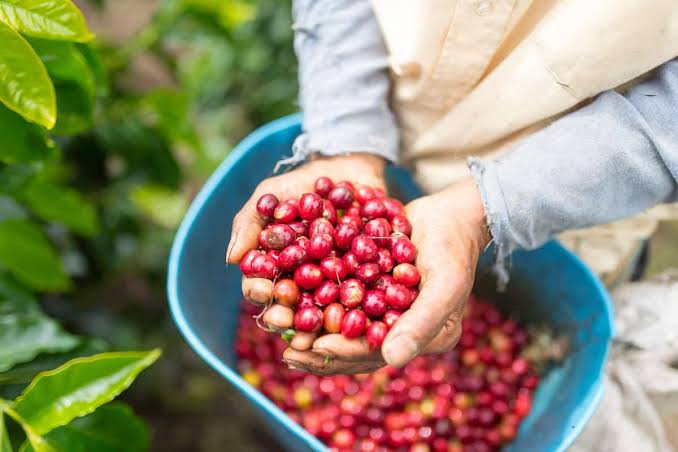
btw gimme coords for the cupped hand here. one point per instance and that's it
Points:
(449, 230)
(247, 224)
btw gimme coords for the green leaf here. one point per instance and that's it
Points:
(230, 14)
(64, 205)
(79, 387)
(5, 445)
(22, 374)
(34, 441)
(169, 110)
(25, 331)
(74, 83)
(111, 428)
(24, 300)
(75, 109)
(27, 254)
(11, 210)
(97, 69)
(164, 206)
(51, 19)
(146, 152)
(21, 141)
(25, 86)
(24, 335)
(235, 13)
(65, 62)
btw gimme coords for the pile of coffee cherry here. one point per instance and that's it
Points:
(472, 398)
(340, 260)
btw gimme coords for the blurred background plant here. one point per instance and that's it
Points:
(102, 145)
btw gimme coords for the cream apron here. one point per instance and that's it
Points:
(473, 76)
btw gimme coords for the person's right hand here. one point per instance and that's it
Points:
(247, 224)
(450, 232)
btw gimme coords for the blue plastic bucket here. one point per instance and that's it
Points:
(549, 285)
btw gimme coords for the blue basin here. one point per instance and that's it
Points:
(549, 285)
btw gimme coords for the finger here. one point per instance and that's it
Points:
(441, 298)
(446, 339)
(340, 347)
(303, 341)
(278, 317)
(317, 364)
(247, 225)
(258, 291)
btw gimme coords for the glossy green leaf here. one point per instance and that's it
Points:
(21, 141)
(111, 428)
(25, 331)
(74, 83)
(79, 387)
(27, 254)
(65, 62)
(25, 86)
(51, 19)
(22, 374)
(63, 205)
(5, 445)
(24, 338)
(36, 443)
(33, 441)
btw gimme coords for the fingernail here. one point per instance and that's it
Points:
(399, 351)
(231, 244)
(290, 364)
(228, 250)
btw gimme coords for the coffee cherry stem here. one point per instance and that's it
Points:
(288, 335)
(258, 317)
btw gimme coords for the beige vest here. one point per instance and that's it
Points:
(473, 76)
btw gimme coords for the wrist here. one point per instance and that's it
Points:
(465, 206)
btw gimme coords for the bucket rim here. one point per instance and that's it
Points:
(173, 280)
(588, 407)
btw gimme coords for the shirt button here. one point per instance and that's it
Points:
(483, 7)
(409, 69)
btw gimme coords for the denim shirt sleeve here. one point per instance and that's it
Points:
(613, 158)
(344, 81)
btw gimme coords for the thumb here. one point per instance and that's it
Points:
(247, 225)
(441, 298)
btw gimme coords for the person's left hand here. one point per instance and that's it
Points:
(450, 232)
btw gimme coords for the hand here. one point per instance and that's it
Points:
(450, 232)
(247, 224)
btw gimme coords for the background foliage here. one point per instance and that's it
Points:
(100, 154)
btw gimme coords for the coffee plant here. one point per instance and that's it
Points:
(94, 176)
